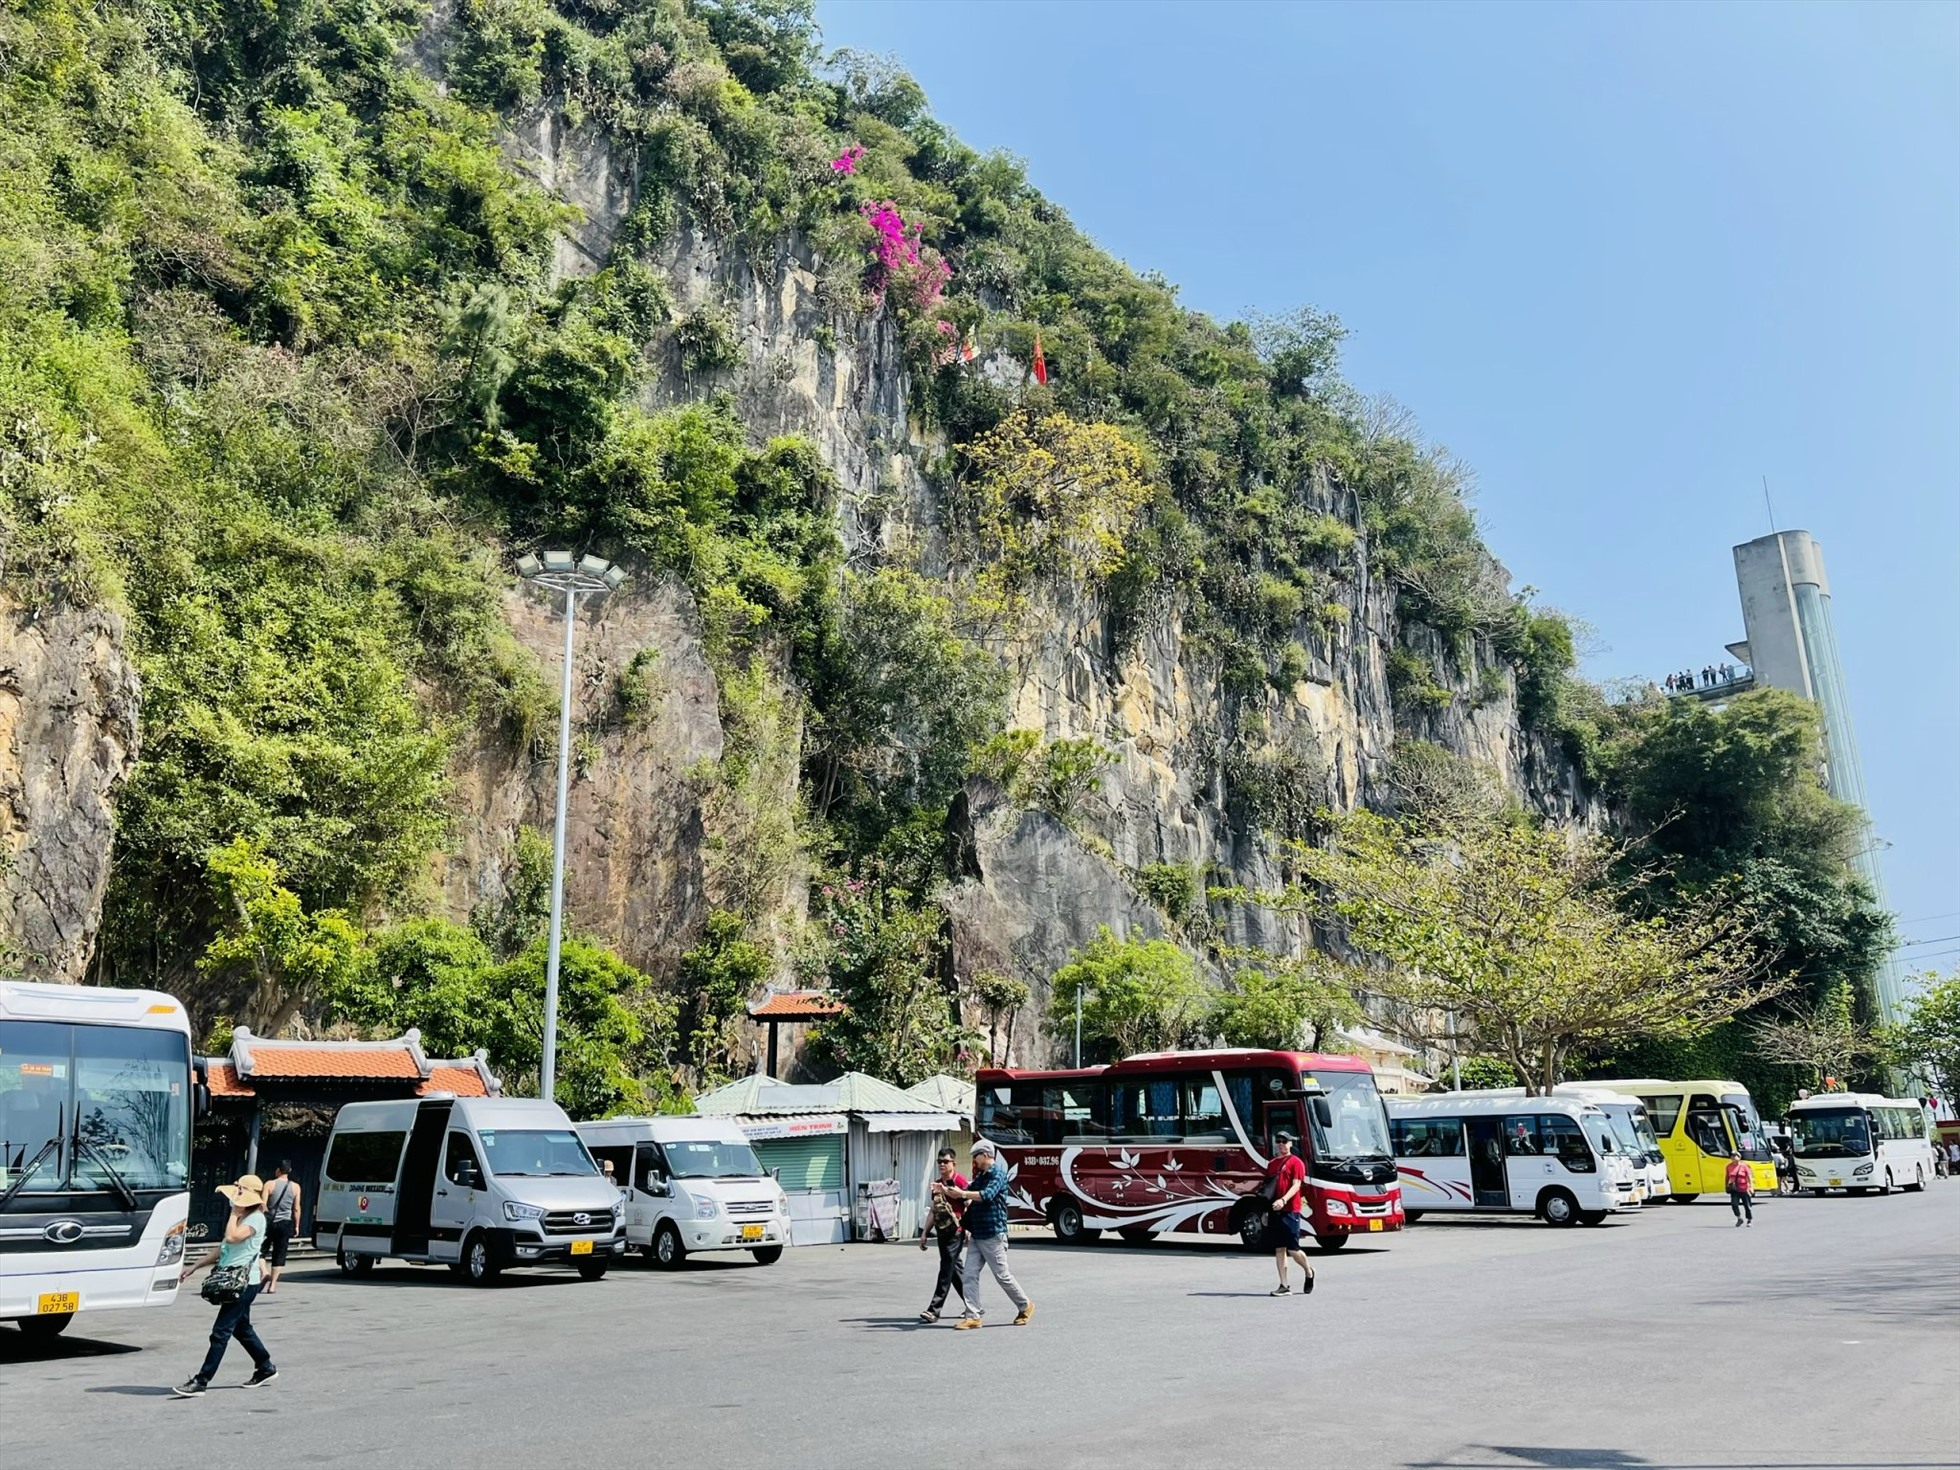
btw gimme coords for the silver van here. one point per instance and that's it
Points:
(476, 1183)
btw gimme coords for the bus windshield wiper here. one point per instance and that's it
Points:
(130, 1201)
(28, 1173)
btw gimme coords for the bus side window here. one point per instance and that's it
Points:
(999, 1118)
(1705, 1125)
(1563, 1137)
(1663, 1113)
(1521, 1136)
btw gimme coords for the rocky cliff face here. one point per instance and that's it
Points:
(68, 736)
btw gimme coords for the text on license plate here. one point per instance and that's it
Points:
(52, 1303)
(751, 1232)
(1374, 1224)
(581, 1247)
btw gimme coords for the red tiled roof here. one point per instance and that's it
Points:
(462, 1079)
(796, 1005)
(298, 1059)
(223, 1079)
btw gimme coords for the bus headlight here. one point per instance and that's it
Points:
(1861, 1171)
(172, 1249)
(1337, 1207)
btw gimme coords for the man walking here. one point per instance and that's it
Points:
(1288, 1174)
(943, 1226)
(986, 1224)
(1741, 1180)
(282, 1222)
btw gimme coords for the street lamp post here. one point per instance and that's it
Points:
(576, 577)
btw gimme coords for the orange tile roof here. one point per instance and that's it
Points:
(223, 1080)
(796, 1005)
(463, 1080)
(297, 1059)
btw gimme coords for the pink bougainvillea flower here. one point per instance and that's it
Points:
(847, 161)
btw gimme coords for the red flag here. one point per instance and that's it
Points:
(1040, 362)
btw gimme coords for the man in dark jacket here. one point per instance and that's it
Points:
(986, 1224)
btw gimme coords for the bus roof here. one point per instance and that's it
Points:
(1148, 1063)
(1659, 1084)
(1481, 1105)
(1853, 1100)
(98, 1005)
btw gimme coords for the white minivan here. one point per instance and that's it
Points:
(692, 1184)
(1555, 1157)
(475, 1183)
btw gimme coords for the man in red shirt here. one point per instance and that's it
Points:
(1288, 1176)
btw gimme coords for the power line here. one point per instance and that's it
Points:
(1942, 939)
(1928, 918)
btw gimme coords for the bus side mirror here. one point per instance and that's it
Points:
(1323, 1114)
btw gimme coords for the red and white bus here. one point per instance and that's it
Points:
(1170, 1141)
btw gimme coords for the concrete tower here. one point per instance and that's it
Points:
(1791, 644)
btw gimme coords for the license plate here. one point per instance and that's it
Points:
(1374, 1224)
(751, 1232)
(1837, 1181)
(581, 1247)
(53, 1303)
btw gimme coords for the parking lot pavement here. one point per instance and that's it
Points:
(1826, 1335)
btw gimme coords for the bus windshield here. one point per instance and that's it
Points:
(1643, 1130)
(534, 1153)
(1830, 1133)
(1745, 1125)
(1359, 1123)
(91, 1107)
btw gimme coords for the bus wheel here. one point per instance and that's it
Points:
(1137, 1235)
(1556, 1207)
(667, 1250)
(1331, 1242)
(44, 1327)
(1251, 1228)
(479, 1265)
(1684, 1199)
(1066, 1218)
(1412, 1215)
(1592, 1217)
(1918, 1184)
(767, 1255)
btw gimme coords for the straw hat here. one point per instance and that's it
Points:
(249, 1190)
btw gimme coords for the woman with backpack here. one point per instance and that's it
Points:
(233, 1286)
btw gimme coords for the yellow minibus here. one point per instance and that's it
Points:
(1701, 1126)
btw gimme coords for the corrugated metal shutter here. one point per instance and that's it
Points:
(806, 1163)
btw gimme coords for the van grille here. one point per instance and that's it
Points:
(578, 1222)
(751, 1207)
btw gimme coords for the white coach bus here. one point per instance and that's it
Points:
(96, 1100)
(1553, 1157)
(1856, 1141)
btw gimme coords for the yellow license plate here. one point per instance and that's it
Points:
(53, 1303)
(1837, 1181)
(1374, 1224)
(751, 1232)
(581, 1247)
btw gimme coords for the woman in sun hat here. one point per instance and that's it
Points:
(243, 1237)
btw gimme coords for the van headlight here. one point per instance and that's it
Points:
(619, 1208)
(515, 1211)
(172, 1248)
(706, 1209)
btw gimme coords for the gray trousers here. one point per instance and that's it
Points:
(992, 1250)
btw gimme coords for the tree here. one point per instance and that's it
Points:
(1826, 1039)
(1928, 1039)
(1279, 1003)
(1002, 996)
(717, 975)
(289, 953)
(1529, 936)
(878, 954)
(1137, 994)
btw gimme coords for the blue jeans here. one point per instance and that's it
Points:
(234, 1320)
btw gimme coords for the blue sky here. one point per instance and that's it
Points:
(1624, 260)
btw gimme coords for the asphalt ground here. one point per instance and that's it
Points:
(1827, 1335)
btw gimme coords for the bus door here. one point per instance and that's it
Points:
(1488, 1181)
(418, 1179)
(1281, 1117)
(1708, 1131)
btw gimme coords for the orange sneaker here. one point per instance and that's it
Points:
(1025, 1316)
(966, 1322)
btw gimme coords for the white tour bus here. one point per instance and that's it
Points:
(475, 1183)
(691, 1184)
(1857, 1141)
(1554, 1157)
(96, 1101)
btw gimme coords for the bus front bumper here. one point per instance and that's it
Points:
(1360, 1215)
(94, 1287)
